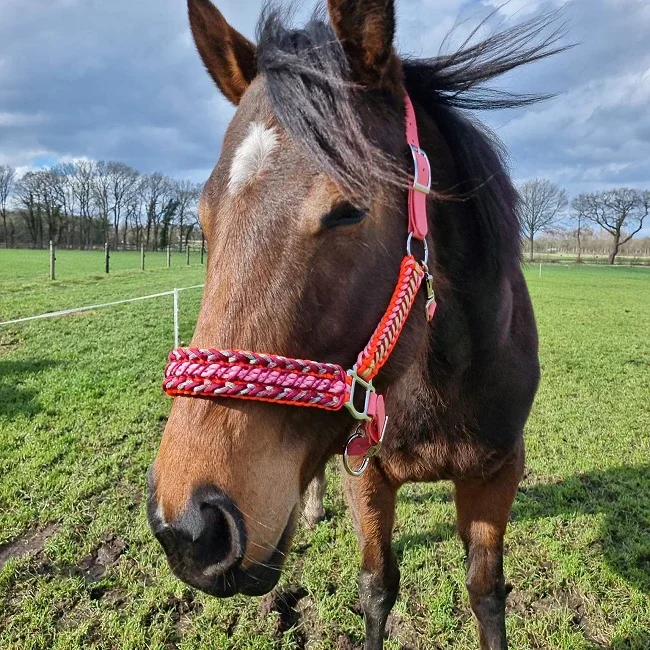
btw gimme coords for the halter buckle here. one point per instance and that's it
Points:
(368, 387)
(420, 156)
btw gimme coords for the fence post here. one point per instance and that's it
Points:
(107, 256)
(142, 257)
(169, 255)
(540, 269)
(52, 260)
(202, 245)
(187, 254)
(176, 343)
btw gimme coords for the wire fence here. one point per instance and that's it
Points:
(187, 252)
(75, 310)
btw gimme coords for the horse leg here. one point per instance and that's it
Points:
(313, 509)
(372, 503)
(483, 507)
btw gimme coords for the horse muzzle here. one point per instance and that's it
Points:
(205, 546)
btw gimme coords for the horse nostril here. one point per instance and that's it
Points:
(217, 544)
(209, 535)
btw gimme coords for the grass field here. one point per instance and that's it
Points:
(589, 258)
(34, 265)
(81, 412)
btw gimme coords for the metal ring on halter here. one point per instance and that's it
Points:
(346, 464)
(424, 243)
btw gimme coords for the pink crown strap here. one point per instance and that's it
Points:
(420, 185)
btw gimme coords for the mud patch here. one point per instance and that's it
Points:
(179, 610)
(28, 544)
(345, 643)
(106, 555)
(181, 607)
(284, 602)
(8, 344)
(526, 604)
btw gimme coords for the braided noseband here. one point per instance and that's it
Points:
(194, 372)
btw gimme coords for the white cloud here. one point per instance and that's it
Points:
(20, 119)
(121, 80)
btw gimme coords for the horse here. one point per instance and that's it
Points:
(304, 215)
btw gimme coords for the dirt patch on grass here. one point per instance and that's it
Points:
(284, 602)
(179, 610)
(345, 643)
(528, 604)
(28, 544)
(106, 555)
(8, 344)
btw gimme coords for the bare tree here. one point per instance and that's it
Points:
(7, 178)
(123, 182)
(159, 206)
(27, 193)
(541, 204)
(187, 195)
(620, 212)
(63, 187)
(83, 192)
(101, 193)
(578, 220)
(133, 216)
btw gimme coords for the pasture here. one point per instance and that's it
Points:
(33, 265)
(81, 412)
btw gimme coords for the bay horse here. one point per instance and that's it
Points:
(305, 219)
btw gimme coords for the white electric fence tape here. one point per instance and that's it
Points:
(76, 310)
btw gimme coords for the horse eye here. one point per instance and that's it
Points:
(343, 214)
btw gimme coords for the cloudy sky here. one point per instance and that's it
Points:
(120, 79)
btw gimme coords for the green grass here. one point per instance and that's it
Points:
(590, 258)
(34, 265)
(81, 413)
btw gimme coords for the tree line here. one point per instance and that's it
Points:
(86, 204)
(619, 213)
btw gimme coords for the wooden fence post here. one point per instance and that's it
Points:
(202, 246)
(52, 260)
(107, 256)
(169, 255)
(187, 254)
(142, 257)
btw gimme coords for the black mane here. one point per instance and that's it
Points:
(307, 77)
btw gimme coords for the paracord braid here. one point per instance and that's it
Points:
(385, 336)
(251, 375)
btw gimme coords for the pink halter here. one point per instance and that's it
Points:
(194, 372)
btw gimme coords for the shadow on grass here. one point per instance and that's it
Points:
(425, 539)
(15, 399)
(639, 640)
(622, 495)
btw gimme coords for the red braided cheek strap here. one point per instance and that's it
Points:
(385, 337)
(273, 378)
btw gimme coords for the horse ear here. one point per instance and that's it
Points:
(366, 29)
(228, 56)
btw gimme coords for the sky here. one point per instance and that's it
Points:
(121, 80)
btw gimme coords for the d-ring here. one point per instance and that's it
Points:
(424, 243)
(346, 464)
